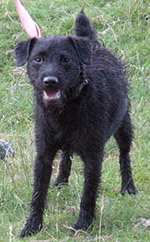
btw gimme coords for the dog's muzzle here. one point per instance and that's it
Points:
(51, 89)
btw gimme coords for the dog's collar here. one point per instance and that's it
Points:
(77, 89)
(84, 83)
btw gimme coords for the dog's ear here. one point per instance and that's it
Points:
(83, 48)
(22, 51)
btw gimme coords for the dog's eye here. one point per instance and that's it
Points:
(65, 59)
(38, 59)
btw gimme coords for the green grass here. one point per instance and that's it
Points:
(124, 26)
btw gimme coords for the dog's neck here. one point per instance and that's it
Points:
(78, 87)
(83, 80)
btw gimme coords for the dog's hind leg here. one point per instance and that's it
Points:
(64, 169)
(124, 137)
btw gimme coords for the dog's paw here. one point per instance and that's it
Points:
(60, 181)
(32, 226)
(130, 188)
(84, 222)
(82, 225)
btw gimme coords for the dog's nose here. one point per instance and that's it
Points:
(50, 80)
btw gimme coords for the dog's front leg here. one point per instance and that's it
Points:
(42, 174)
(92, 174)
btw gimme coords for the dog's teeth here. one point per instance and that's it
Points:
(58, 96)
(52, 96)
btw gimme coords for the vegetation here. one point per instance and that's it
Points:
(124, 26)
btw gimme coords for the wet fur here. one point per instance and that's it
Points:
(94, 106)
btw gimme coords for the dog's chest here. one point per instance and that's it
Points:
(71, 131)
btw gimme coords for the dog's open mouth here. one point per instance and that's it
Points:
(49, 95)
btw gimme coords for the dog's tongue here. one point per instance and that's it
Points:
(49, 95)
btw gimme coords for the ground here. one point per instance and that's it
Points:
(124, 26)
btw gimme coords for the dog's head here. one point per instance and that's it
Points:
(54, 65)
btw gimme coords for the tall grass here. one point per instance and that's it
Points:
(124, 26)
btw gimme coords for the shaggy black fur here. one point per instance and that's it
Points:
(81, 95)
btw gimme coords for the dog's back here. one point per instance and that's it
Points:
(107, 73)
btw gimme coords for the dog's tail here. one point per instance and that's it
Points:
(83, 27)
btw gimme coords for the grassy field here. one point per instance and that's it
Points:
(124, 26)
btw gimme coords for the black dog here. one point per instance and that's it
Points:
(81, 94)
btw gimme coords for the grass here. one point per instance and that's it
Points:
(124, 26)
